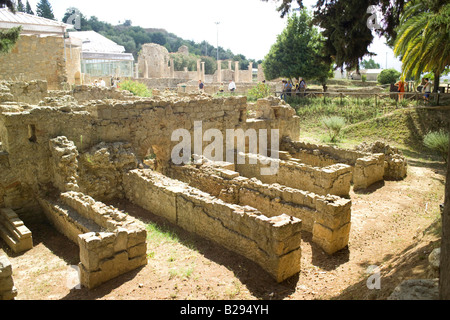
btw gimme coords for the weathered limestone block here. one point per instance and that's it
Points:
(102, 169)
(14, 232)
(368, 170)
(7, 289)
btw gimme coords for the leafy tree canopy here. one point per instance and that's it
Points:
(345, 26)
(298, 52)
(370, 64)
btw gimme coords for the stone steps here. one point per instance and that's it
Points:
(14, 232)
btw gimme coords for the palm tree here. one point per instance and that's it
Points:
(423, 39)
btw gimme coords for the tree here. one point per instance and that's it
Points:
(298, 52)
(8, 4)
(20, 6)
(28, 8)
(8, 38)
(370, 64)
(423, 39)
(44, 9)
(388, 76)
(345, 26)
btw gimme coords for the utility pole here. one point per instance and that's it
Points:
(217, 24)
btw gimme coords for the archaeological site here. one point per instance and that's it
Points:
(89, 168)
(65, 154)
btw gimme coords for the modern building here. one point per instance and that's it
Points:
(101, 57)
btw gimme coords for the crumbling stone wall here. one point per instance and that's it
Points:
(273, 243)
(36, 58)
(7, 289)
(331, 213)
(334, 179)
(370, 163)
(110, 242)
(153, 61)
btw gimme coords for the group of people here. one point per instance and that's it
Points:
(114, 83)
(298, 88)
(231, 86)
(426, 89)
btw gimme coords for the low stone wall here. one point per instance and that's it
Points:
(111, 243)
(31, 92)
(334, 179)
(328, 212)
(368, 167)
(273, 243)
(7, 289)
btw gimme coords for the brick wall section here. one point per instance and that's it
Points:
(36, 58)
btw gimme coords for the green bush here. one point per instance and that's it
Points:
(261, 90)
(136, 88)
(334, 125)
(388, 76)
(438, 141)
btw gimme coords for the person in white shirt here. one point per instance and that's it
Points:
(232, 86)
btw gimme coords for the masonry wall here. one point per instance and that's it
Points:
(36, 58)
(334, 179)
(111, 243)
(273, 243)
(328, 212)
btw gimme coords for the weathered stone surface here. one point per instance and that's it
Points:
(421, 289)
(7, 289)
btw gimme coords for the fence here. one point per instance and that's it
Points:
(378, 96)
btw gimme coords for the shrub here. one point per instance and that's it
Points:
(438, 141)
(334, 125)
(364, 78)
(261, 90)
(136, 88)
(388, 76)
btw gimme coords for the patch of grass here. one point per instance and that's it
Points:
(157, 234)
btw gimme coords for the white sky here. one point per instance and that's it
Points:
(249, 27)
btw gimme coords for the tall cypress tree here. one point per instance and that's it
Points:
(20, 6)
(44, 9)
(28, 8)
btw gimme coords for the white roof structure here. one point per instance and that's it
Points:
(96, 46)
(31, 24)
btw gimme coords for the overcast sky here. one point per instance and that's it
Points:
(249, 27)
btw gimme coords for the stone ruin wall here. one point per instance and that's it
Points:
(72, 152)
(41, 58)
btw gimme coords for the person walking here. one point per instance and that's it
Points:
(201, 86)
(232, 86)
(401, 89)
(427, 89)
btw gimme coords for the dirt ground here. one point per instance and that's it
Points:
(395, 226)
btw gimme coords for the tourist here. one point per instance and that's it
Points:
(302, 86)
(289, 88)
(232, 86)
(284, 89)
(221, 87)
(401, 89)
(427, 89)
(201, 85)
(102, 83)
